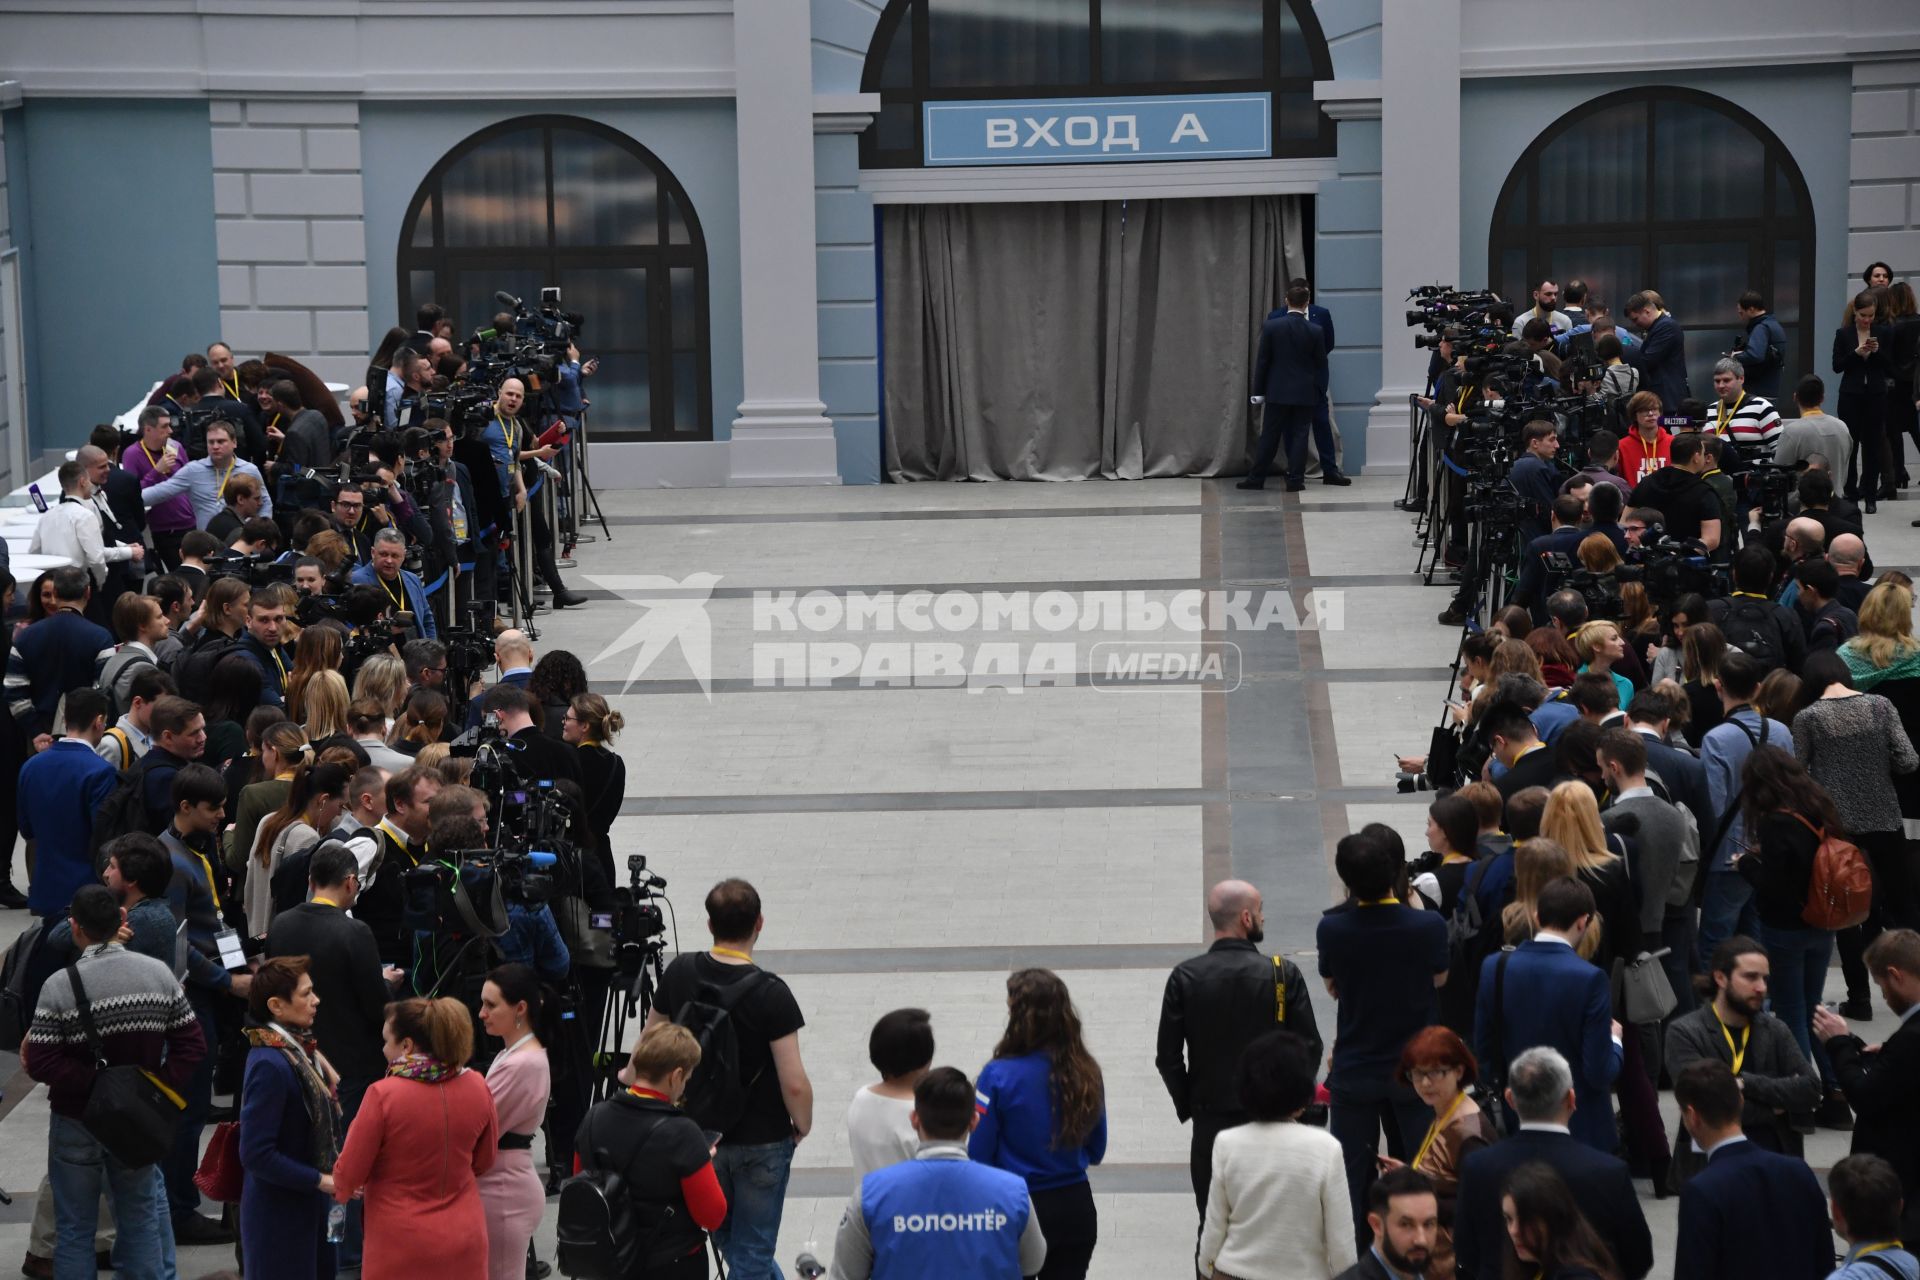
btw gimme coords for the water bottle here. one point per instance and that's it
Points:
(336, 1223)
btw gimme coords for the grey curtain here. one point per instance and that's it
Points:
(1063, 341)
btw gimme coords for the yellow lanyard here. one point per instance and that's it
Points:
(506, 431)
(221, 492)
(233, 386)
(1877, 1247)
(1379, 902)
(729, 951)
(389, 590)
(208, 866)
(1433, 1130)
(1739, 1051)
(275, 655)
(1279, 992)
(1460, 405)
(326, 902)
(150, 458)
(1724, 414)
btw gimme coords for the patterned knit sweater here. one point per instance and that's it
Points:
(138, 1008)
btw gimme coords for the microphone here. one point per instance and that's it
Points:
(808, 1267)
(542, 857)
(507, 300)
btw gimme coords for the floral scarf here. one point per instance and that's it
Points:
(323, 1110)
(423, 1067)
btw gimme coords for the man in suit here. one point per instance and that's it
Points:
(513, 655)
(1661, 356)
(402, 837)
(1879, 1082)
(1540, 1091)
(1404, 1214)
(61, 789)
(1549, 995)
(1515, 741)
(1323, 321)
(1750, 1212)
(1679, 773)
(1289, 379)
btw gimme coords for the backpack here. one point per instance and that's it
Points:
(1840, 885)
(1467, 933)
(112, 671)
(716, 1096)
(1752, 627)
(24, 969)
(596, 1232)
(123, 812)
(193, 669)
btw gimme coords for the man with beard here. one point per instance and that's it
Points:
(1214, 1007)
(1878, 1081)
(1405, 1216)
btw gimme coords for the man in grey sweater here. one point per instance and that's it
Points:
(1734, 1028)
(1665, 843)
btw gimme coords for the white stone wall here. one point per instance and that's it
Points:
(292, 247)
(1884, 193)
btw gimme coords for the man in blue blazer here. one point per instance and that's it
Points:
(1661, 356)
(1290, 379)
(1540, 1089)
(1323, 321)
(1544, 993)
(1750, 1212)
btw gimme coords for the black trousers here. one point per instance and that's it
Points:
(1865, 417)
(1071, 1226)
(1200, 1160)
(1289, 424)
(166, 547)
(1892, 908)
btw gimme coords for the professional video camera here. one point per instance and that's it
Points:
(256, 571)
(639, 930)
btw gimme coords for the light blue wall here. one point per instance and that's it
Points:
(849, 317)
(1346, 280)
(1809, 108)
(695, 139)
(112, 206)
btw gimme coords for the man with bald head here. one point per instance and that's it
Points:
(513, 654)
(1215, 1005)
(511, 444)
(1848, 556)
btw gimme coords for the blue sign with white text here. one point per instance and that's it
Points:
(1210, 126)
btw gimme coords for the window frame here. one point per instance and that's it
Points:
(921, 89)
(658, 259)
(1763, 231)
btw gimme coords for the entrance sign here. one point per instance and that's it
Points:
(1214, 126)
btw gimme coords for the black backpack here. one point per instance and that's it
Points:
(1752, 627)
(24, 969)
(716, 1095)
(597, 1234)
(193, 669)
(1469, 940)
(123, 812)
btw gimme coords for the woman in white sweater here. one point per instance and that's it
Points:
(1278, 1207)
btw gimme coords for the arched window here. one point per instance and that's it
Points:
(555, 200)
(1668, 189)
(941, 50)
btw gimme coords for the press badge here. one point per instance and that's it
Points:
(232, 954)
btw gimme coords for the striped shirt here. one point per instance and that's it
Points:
(1751, 421)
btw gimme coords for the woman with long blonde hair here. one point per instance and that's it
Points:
(326, 706)
(1885, 649)
(1537, 863)
(383, 678)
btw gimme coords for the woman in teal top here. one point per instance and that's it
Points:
(1600, 645)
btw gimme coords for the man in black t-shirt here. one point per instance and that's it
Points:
(1689, 504)
(755, 1152)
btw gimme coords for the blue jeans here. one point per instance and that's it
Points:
(754, 1179)
(78, 1169)
(1360, 1110)
(1799, 959)
(1726, 908)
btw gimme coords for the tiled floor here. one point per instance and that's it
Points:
(912, 843)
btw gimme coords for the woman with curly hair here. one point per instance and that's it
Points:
(558, 678)
(1043, 1115)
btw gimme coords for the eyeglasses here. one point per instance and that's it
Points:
(1429, 1075)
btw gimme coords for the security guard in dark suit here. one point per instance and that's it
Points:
(1290, 380)
(1215, 1005)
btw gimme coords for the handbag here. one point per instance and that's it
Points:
(220, 1175)
(130, 1111)
(1648, 995)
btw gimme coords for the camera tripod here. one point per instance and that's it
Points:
(579, 486)
(642, 972)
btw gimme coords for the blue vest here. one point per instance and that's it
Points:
(944, 1219)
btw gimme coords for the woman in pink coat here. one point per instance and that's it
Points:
(511, 1192)
(421, 1137)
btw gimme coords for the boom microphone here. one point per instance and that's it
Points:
(507, 300)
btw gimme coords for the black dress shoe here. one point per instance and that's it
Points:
(195, 1228)
(1251, 483)
(568, 599)
(1869, 507)
(11, 898)
(1454, 616)
(1295, 488)
(1337, 479)
(1857, 1009)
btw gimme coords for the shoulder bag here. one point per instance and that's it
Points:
(129, 1111)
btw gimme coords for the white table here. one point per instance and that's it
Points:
(33, 564)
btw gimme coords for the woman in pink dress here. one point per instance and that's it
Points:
(511, 1192)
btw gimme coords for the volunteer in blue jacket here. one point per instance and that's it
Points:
(1043, 1115)
(940, 1214)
